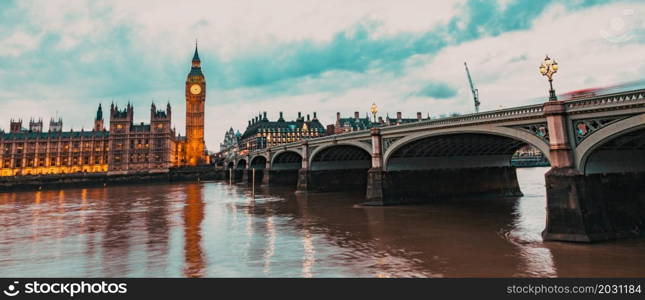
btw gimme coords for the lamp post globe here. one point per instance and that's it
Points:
(548, 68)
(374, 110)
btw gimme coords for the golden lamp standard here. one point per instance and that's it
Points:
(374, 110)
(548, 68)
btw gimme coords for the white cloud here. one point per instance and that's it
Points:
(227, 27)
(18, 43)
(505, 67)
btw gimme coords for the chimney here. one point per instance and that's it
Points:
(265, 115)
(299, 116)
(338, 116)
(398, 117)
(419, 117)
(331, 129)
(380, 120)
(315, 115)
(307, 117)
(355, 115)
(249, 122)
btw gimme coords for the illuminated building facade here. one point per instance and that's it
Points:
(195, 98)
(262, 133)
(125, 148)
(32, 151)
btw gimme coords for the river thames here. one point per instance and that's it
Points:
(213, 229)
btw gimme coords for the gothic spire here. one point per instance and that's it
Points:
(196, 69)
(196, 55)
(99, 113)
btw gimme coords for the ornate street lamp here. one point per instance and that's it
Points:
(374, 110)
(548, 68)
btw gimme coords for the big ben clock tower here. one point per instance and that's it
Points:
(195, 98)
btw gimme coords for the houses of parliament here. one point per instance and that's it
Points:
(122, 148)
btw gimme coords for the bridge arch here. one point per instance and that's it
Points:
(286, 159)
(345, 151)
(241, 164)
(618, 147)
(339, 167)
(258, 162)
(511, 135)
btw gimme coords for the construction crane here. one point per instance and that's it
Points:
(473, 89)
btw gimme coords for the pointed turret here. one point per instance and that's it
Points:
(98, 121)
(196, 68)
(196, 55)
(99, 113)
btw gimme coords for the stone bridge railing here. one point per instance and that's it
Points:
(613, 101)
(522, 112)
(528, 111)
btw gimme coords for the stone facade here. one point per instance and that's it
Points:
(262, 133)
(33, 152)
(140, 147)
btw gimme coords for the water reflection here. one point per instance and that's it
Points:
(193, 216)
(309, 255)
(115, 244)
(269, 248)
(526, 228)
(215, 229)
(157, 231)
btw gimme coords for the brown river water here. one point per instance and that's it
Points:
(213, 229)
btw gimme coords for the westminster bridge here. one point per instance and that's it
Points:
(596, 147)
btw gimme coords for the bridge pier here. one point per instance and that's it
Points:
(303, 181)
(265, 178)
(374, 193)
(594, 207)
(303, 173)
(227, 174)
(375, 175)
(245, 175)
(572, 214)
(266, 173)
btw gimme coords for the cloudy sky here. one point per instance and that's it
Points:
(64, 57)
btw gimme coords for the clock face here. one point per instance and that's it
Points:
(195, 89)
